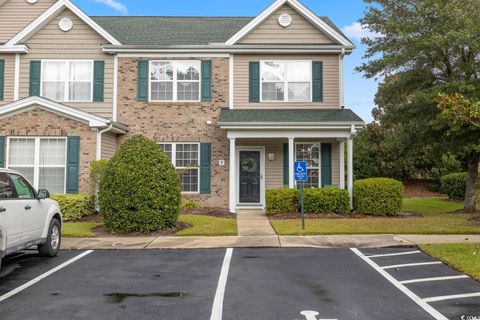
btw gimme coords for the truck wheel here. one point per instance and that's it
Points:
(54, 237)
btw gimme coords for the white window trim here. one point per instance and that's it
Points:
(175, 81)
(174, 161)
(285, 81)
(319, 159)
(36, 166)
(67, 79)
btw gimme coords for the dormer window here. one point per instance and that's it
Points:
(286, 81)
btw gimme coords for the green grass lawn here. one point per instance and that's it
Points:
(79, 229)
(463, 257)
(208, 226)
(436, 219)
(201, 226)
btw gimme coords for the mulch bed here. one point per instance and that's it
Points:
(290, 216)
(417, 188)
(210, 211)
(475, 220)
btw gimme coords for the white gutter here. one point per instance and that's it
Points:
(99, 141)
(14, 49)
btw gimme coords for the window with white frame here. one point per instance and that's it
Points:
(175, 80)
(69, 81)
(42, 161)
(186, 159)
(310, 153)
(286, 81)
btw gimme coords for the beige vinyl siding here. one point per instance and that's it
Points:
(15, 15)
(301, 31)
(274, 169)
(9, 78)
(82, 42)
(331, 81)
(109, 145)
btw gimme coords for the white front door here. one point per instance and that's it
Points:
(250, 176)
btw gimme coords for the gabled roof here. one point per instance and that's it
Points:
(294, 117)
(50, 14)
(300, 8)
(92, 120)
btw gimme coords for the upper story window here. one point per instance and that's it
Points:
(67, 81)
(286, 81)
(175, 80)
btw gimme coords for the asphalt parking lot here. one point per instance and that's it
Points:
(291, 284)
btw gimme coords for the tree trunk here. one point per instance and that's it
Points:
(472, 183)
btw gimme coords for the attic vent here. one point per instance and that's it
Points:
(32, 1)
(285, 20)
(65, 24)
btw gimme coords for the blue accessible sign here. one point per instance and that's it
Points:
(300, 170)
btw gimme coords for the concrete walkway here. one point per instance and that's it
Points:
(254, 223)
(334, 241)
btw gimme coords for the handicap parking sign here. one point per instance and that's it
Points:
(300, 170)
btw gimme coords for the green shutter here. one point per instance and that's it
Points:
(205, 168)
(254, 81)
(326, 164)
(98, 80)
(73, 164)
(2, 152)
(142, 81)
(286, 178)
(35, 77)
(2, 78)
(206, 80)
(317, 81)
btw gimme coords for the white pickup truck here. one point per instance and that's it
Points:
(27, 217)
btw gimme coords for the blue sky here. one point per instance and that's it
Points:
(359, 92)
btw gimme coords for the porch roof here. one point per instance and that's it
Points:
(288, 117)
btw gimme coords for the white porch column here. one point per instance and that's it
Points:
(232, 200)
(342, 165)
(291, 157)
(350, 169)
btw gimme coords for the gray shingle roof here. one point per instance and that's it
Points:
(163, 31)
(287, 116)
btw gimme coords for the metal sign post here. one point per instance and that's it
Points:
(300, 170)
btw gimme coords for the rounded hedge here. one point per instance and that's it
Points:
(378, 196)
(140, 189)
(282, 201)
(327, 200)
(454, 185)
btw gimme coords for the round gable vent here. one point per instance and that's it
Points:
(285, 20)
(65, 24)
(32, 1)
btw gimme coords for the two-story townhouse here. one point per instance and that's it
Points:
(233, 101)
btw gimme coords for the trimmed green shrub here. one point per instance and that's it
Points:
(190, 205)
(97, 170)
(378, 196)
(329, 200)
(282, 201)
(75, 206)
(140, 190)
(454, 185)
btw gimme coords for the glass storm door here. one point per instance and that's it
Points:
(250, 177)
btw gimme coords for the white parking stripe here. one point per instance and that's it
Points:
(43, 276)
(455, 296)
(432, 311)
(411, 265)
(217, 308)
(394, 254)
(434, 279)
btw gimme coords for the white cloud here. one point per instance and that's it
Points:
(358, 31)
(118, 6)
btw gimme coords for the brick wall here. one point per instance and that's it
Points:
(180, 122)
(38, 122)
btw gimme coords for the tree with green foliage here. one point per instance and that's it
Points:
(425, 49)
(140, 189)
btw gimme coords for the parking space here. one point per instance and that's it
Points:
(293, 284)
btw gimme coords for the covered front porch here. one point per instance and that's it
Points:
(262, 153)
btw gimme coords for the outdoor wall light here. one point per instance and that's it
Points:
(271, 156)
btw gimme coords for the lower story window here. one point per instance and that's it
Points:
(186, 159)
(310, 153)
(41, 160)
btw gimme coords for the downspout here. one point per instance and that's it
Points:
(342, 80)
(99, 157)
